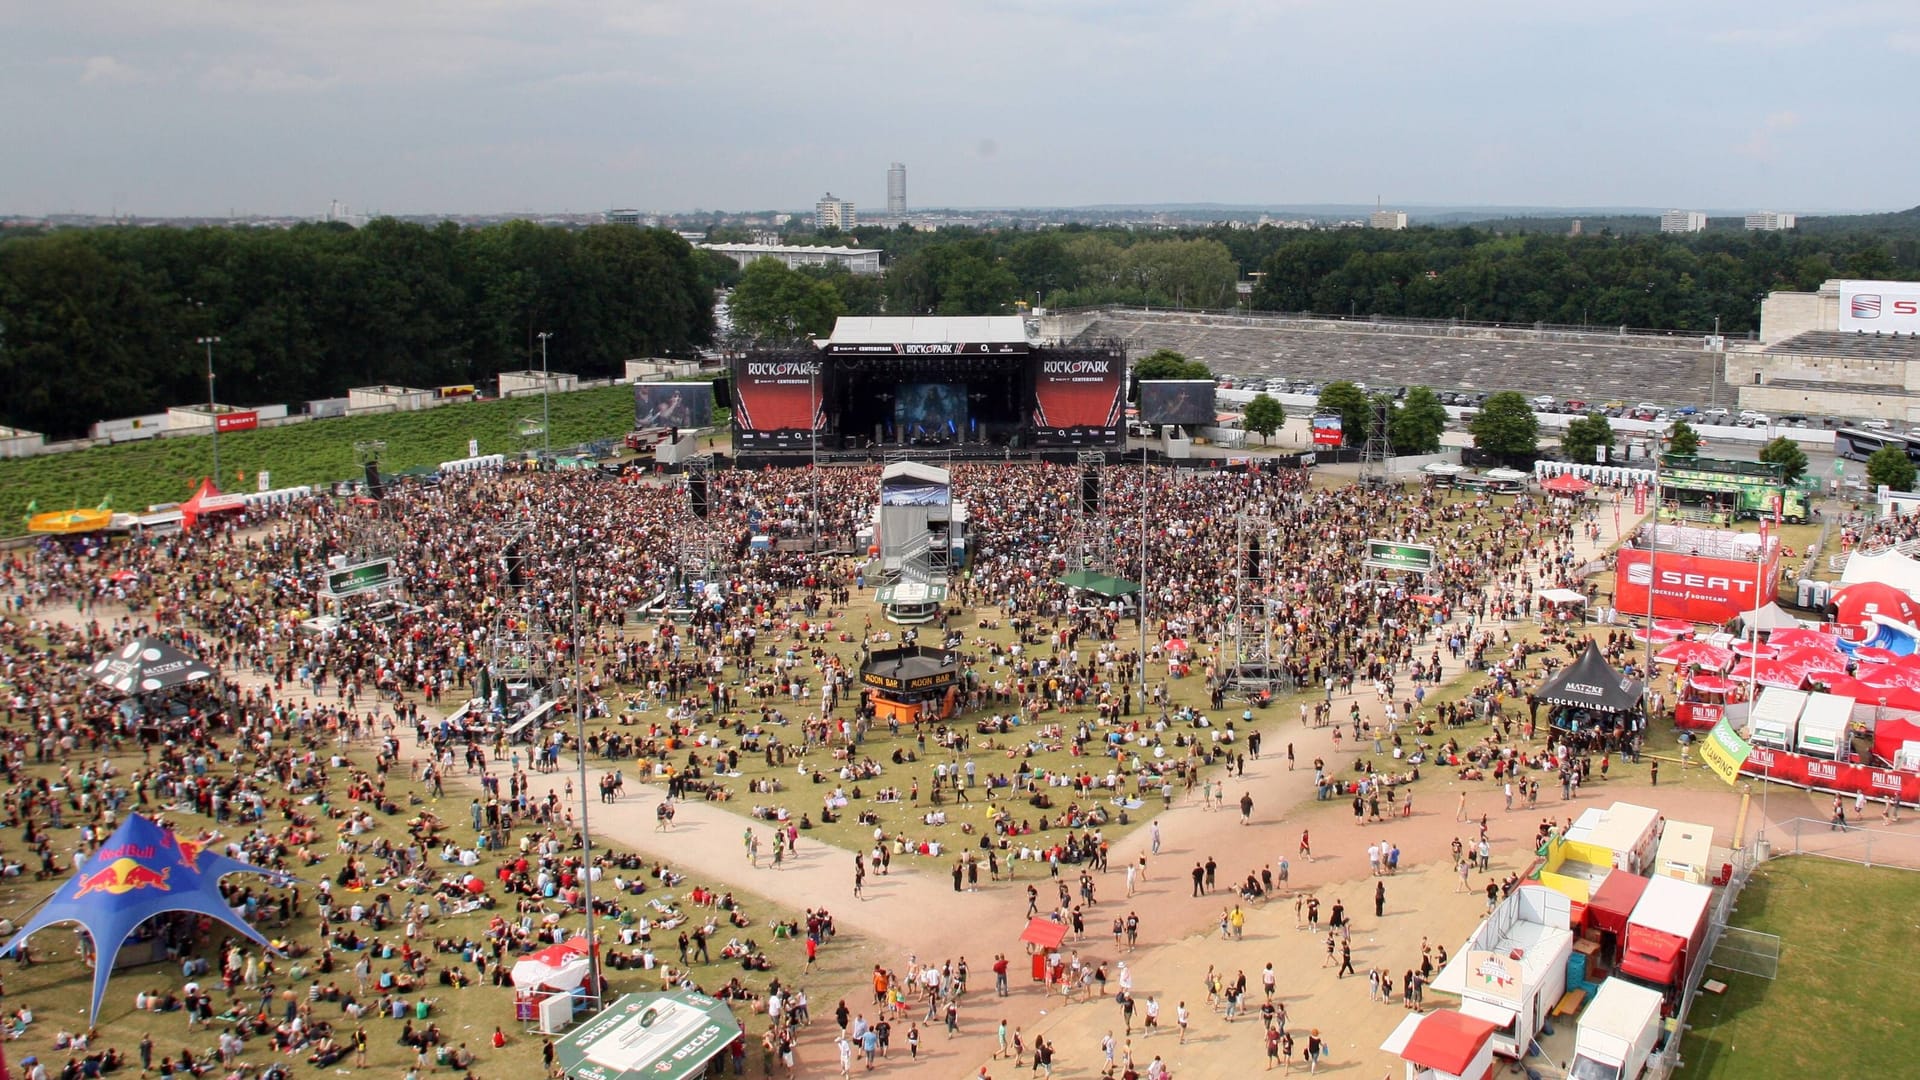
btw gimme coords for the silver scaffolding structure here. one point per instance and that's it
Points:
(1253, 665)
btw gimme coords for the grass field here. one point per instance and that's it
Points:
(55, 986)
(140, 474)
(1841, 1004)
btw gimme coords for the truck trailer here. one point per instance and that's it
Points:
(1617, 1033)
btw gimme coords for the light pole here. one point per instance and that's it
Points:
(580, 749)
(213, 415)
(1140, 597)
(546, 396)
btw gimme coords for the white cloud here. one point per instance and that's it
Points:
(267, 79)
(107, 70)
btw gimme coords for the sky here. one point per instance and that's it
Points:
(210, 107)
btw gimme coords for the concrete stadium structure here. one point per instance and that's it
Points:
(1593, 366)
(1817, 355)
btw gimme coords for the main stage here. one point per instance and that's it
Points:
(965, 387)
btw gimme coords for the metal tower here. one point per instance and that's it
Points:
(1376, 459)
(1253, 660)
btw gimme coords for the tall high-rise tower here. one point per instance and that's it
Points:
(896, 189)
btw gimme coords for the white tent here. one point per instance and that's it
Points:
(1889, 566)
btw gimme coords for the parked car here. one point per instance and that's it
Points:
(1716, 416)
(1575, 405)
(1876, 424)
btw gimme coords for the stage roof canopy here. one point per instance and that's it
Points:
(929, 330)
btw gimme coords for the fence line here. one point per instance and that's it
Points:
(1850, 843)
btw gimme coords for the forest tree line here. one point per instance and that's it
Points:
(1659, 282)
(104, 323)
(100, 323)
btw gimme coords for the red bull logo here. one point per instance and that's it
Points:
(123, 876)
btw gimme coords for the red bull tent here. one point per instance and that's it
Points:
(668, 1036)
(141, 871)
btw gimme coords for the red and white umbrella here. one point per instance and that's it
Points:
(1748, 648)
(1712, 684)
(1653, 634)
(1175, 645)
(1687, 653)
(1678, 626)
(557, 967)
(1873, 655)
(1791, 636)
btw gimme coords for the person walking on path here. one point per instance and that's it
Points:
(859, 873)
(1246, 807)
(1199, 877)
(1306, 845)
(1379, 899)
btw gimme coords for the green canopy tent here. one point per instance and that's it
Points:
(1099, 584)
(668, 1036)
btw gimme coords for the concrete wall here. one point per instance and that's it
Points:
(16, 443)
(368, 399)
(1784, 314)
(1900, 407)
(514, 383)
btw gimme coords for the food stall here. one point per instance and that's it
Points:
(1629, 832)
(1666, 936)
(1686, 852)
(1823, 727)
(1775, 719)
(1513, 969)
(1443, 1045)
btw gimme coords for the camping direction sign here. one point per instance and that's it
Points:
(355, 579)
(1724, 751)
(1388, 555)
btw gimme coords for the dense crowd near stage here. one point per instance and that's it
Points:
(287, 759)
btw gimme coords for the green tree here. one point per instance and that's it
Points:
(1890, 467)
(1264, 415)
(776, 303)
(1350, 403)
(1166, 364)
(1417, 424)
(1584, 436)
(1787, 454)
(1682, 440)
(1506, 425)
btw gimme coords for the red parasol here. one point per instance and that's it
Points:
(1748, 648)
(1653, 634)
(1045, 933)
(1874, 655)
(1678, 626)
(1694, 652)
(1791, 636)
(1566, 484)
(1712, 684)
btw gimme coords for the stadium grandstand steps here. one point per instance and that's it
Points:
(1592, 367)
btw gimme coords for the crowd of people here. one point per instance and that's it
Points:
(288, 757)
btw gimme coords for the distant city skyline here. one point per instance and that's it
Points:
(181, 108)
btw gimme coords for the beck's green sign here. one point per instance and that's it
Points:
(1387, 555)
(352, 579)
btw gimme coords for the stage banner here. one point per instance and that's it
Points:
(777, 402)
(1724, 751)
(1327, 431)
(1078, 395)
(1692, 587)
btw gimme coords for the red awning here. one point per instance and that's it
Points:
(1045, 933)
(1447, 1041)
(1566, 484)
